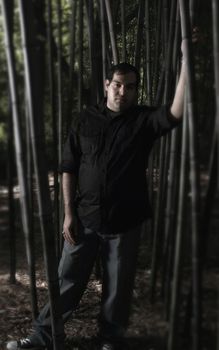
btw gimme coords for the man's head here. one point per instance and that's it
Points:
(121, 86)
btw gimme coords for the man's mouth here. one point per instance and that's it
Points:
(121, 100)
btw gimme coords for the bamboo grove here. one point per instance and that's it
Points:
(55, 55)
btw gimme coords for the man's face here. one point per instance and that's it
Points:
(121, 91)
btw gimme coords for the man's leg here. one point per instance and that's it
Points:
(119, 257)
(74, 271)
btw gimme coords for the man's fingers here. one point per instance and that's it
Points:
(69, 236)
(197, 36)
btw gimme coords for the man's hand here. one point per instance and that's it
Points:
(69, 226)
(69, 232)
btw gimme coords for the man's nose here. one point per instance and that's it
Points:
(122, 90)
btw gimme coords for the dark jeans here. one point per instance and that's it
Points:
(119, 257)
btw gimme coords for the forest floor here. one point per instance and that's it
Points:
(148, 326)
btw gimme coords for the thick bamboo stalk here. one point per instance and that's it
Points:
(210, 195)
(177, 41)
(92, 53)
(112, 32)
(43, 193)
(192, 10)
(148, 59)
(165, 26)
(72, 54)
(169, 52)
(157, 221)
(30, 183)
(169, 213)
(164, 151)
(156, 50)
(19, 152)
(174, 307)
(52, 99)
(11, 211)
(138, 40)
(170, 201)
(59, 75)
(215, 14)
(80, 53)
(194, 174)
(123, 24)
(103, 40)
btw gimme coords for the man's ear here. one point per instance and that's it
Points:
(107, 82)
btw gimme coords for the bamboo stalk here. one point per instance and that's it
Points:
(138, 40)
(52, 99)
(80, 53)
(123, 30)
(174, 307)
(164, 152)
(59, 74)
(165, 25)
(169, 214)
(103, 41)
(215, 14)
(72, 54)
(194, 174)
(112, 33)
(11, 216)
(169, 52)
(148, 60)
(43, 193)
(177, 41)
(156, 50)
(157, 221)
(92, 52)
(19, 152)
(210, 195)
(168, 91)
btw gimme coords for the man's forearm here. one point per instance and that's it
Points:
(69, 189)
(178, 101)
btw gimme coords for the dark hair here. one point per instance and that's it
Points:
(123, 68)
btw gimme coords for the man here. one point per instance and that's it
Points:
(106, 201)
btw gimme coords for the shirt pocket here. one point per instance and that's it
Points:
(90, 144)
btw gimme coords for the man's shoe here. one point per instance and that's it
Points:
(25, 343)
(108, 346)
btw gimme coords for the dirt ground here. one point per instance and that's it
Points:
(148, 326)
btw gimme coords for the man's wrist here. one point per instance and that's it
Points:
(68, 209)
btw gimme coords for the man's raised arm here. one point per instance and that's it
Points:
(176, 108)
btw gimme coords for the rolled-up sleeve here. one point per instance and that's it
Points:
(71, 154)
(160, 121)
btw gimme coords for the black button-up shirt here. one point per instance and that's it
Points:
(109, 153)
